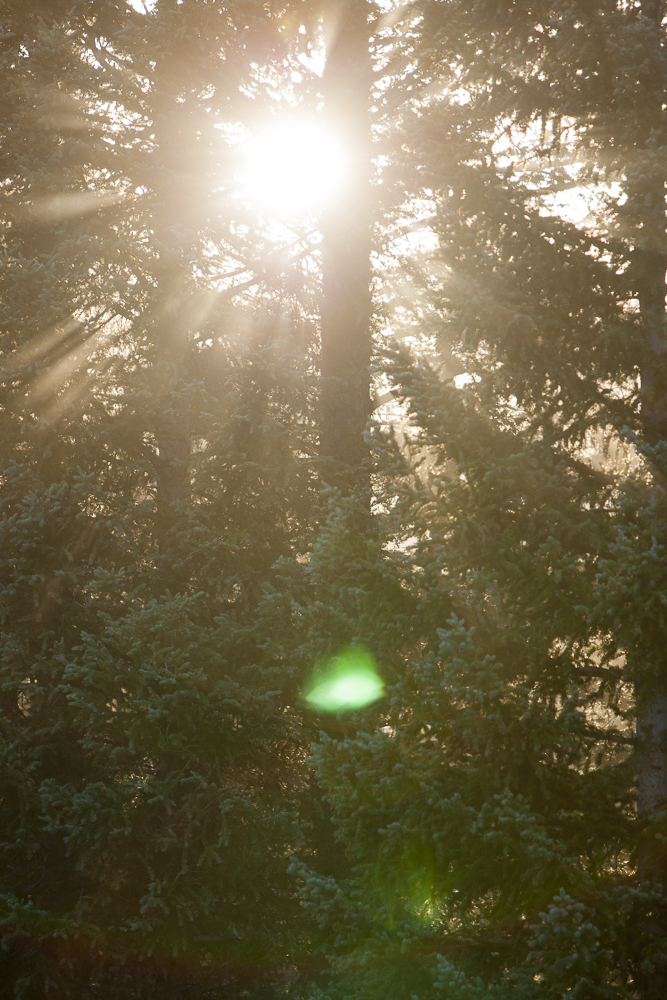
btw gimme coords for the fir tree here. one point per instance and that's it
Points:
(151, 480)
(502, 821)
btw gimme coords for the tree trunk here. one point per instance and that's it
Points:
(650, 261)
(346, 230)
(650, 267)
(652, 761)
(175, 236)
(173, 441)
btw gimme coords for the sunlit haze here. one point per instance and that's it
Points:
(293, 168)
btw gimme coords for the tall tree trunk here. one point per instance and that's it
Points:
(174, 237)
(652, 772)
(346, 229)
(650, 267)
(651, 260)
(172, 433)
(652, 695)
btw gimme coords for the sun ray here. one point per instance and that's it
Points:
(67, 205)
(40, 346)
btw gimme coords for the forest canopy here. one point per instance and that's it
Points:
(333, 388)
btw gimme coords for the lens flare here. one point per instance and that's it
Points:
(293, 168)
(348, 681)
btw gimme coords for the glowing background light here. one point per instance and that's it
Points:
(293, 168)
(350, 680)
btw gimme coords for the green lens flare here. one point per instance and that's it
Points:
(350, 680)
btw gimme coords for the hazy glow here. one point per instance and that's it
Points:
(350, 680)
(293, 168)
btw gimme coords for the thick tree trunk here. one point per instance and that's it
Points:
(346, 230)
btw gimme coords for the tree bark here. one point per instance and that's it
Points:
(345, 404)
(650, 261)
(652, 765)
(175, 236)
(173, 441)
(651, 288)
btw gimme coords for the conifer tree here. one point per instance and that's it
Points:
(502, 814)
(151, 479)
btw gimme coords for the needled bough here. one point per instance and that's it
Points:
(347, 681)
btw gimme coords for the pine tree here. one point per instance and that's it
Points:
(503, 822)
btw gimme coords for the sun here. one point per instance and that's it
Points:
(293, 168)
